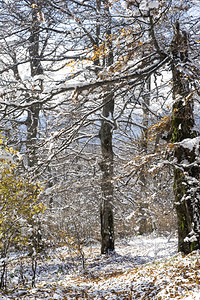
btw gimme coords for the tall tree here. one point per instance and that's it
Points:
(106, 133)
(33, 113)
(186, 139)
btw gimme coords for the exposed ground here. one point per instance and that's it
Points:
(142, 268)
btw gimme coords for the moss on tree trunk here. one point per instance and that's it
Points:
(187, 170)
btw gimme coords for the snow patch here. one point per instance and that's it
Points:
(190, 144)
(149, 4)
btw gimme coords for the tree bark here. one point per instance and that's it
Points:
(106, 213)
(106, 132)
(36, 69)
(187, 170)
(144, 220)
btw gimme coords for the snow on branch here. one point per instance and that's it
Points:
(190, 144)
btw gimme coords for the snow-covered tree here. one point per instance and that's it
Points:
(74, 99)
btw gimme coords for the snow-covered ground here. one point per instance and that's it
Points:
(143, 267)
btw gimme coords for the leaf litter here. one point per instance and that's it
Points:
(143, 267)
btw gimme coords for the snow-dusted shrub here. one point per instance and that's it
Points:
(19, 208)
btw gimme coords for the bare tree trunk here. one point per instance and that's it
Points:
(106, 132)
(36, 69)
(144, 222)
(186, 174)
(32, 121)
(107, 224)
(98, 29)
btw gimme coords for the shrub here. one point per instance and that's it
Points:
(19, 207)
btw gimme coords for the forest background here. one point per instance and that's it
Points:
(100, 102)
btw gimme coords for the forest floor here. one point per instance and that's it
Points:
(143, 267)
